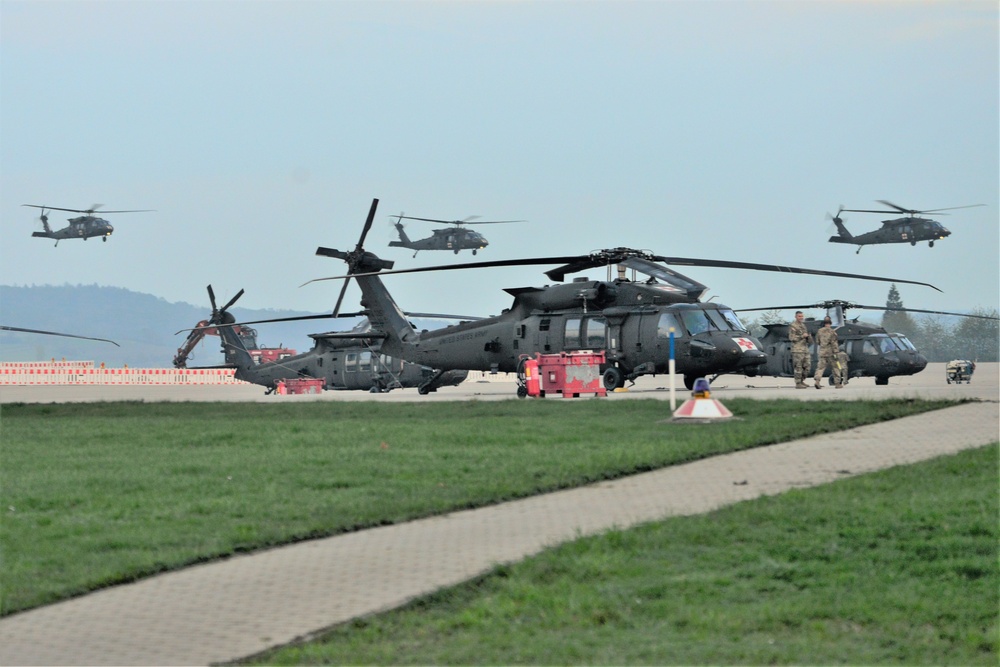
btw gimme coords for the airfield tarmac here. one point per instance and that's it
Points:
(225, 610)
(928, 384)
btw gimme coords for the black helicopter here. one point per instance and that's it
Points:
(350, 360)
(632, 321)
(83, 227)
(453, 238)
(873, 351)
(56, 333)
(910, 229)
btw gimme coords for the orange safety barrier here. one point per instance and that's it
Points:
(34, 373)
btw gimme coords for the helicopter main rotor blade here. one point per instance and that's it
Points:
(918, 310)
(467, 221)
(340, 299)
(330, 252)
(617, 256)
(89, 210)
(56, 333)
(211, 299)
(950, 208)
(714, 263)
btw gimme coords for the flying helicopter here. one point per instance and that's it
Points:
(82, 227)
(453, 238)
(909, 229)
(350, 360)
(873, 351)
(635, 322)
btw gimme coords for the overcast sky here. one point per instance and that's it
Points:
(726, 130)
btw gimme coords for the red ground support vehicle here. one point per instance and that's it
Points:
(567, 373)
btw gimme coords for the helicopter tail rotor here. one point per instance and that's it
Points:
(358, 260)
(44, 219)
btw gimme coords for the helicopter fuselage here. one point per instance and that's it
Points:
(83, 227)
(873, 351)
(630, 322)
(342, 364)
(900, 230)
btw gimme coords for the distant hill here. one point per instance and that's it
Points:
(142, 324)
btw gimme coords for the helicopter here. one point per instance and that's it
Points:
(909, 229)
(873, 351)
(454, 238)
(56, 333)
(637, 323)
(83, 227)
(349, 360)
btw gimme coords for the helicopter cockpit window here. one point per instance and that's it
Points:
(886, 344)
(596, 333)
(666, 323)
(572, 339)
(870, 348)
(732, 319)
(697, 321)
(904, 343)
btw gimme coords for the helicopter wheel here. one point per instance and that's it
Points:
(689, 381)
(913, 243)
(613, 379)
(930, 244)
(881, 380)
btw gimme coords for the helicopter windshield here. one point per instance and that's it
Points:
(698, 321)
(729, 319)
(904, 343)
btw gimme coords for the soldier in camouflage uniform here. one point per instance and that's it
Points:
(800, 338)
(826, 353)
(843, 359)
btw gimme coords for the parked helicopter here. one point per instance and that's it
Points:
(450, 238)
(56, 333)
(873, 351)
(634, 322)
(349, 360)
(82, 227)
(899, 230)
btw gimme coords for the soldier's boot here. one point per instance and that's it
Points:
(801, 385)
(818, 385)
(839, 386)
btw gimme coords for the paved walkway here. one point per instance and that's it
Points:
(234, 608)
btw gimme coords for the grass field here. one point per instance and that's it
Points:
(896, 567)
(99, 494)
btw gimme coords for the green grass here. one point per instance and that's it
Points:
(896, 567)
(97, 494)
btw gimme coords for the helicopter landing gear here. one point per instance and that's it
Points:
(913, 243)
(930, 244)
(613, 379)
(689, 381)
(881, 379)
(474, 252)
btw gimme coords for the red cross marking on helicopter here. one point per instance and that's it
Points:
(745, 343)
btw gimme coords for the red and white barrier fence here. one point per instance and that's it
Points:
(43, 373)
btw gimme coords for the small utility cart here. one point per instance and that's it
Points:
(959, 371)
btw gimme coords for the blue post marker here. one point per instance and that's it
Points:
(672, 366)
